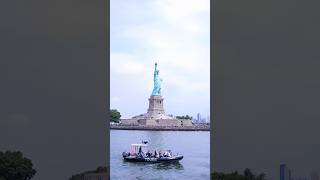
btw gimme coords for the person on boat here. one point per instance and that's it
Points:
(160, 154)
(140, 153)
(151, 155)
(140, 150)
(155, 153)
(148, 154)
(165, 154)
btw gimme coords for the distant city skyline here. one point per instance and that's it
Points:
(286, 173)
(176, 35)
(199, 119)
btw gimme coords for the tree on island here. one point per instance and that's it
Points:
(13, 166)
(115, 115)
(247, 175)
(184, 117)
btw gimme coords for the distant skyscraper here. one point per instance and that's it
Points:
(289, 174)
(314, 176)
(198, 117)
(285, 173)
(194, 120)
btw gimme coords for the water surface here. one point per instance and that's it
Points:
(193, 145)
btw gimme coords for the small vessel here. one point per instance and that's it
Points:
(137, 154)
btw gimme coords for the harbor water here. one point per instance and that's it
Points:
(193, 145)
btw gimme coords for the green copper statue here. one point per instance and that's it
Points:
(156, 82)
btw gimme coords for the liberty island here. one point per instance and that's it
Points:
(155, 118)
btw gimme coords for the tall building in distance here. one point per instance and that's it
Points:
(198, 118)
(314, 176)
(285, 173)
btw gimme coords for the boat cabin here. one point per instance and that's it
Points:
(134, 149)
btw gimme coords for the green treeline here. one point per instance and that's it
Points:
(14, 166)
(115, 115)
(184, 117)
(247, 175)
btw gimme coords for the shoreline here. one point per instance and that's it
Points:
(160, 128)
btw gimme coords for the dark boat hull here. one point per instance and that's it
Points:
(162, 159)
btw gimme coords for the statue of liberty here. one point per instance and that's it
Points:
(156, 82)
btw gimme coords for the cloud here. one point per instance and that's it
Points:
(186, 15)
(125, 64)
(115, 99)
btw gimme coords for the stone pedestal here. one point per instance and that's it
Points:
(156, 117)
(155, 105)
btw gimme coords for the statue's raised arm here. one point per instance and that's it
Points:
(155, 67)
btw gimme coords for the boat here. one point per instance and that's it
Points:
(137, 154)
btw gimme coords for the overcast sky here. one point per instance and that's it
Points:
(53, 65)
(176, 34)
(266, 86)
